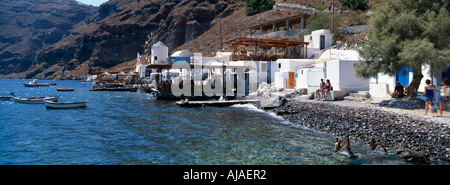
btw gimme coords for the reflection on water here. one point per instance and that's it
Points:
(135, 128)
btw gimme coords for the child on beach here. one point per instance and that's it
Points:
(445, 93)
(429, 97)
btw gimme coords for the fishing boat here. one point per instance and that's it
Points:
(34, 83)
(34, 100)
(64, 105)
(65, 89)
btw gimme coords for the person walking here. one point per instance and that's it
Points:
(429, 97)
(445, 93)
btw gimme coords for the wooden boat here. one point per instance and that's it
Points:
(34, 100)
(66, 89)
(64, 105)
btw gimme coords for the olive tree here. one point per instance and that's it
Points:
(408, 33)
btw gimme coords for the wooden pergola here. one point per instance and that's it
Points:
(265, 43)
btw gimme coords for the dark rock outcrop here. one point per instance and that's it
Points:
(28, 27)
(110, 35)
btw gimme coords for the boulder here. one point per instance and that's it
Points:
(272, 102)
(411, 155)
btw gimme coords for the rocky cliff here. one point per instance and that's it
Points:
(29, 26)
(98, 37)
(44, 38)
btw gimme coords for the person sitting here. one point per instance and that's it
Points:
(327, 89)
(398, 92)
(321, 88)
(410, 91)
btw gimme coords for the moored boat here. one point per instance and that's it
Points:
(65, 89)
(64, 105)
(34, 100)
(7, 98)
(34, 83)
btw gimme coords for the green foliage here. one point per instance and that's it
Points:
(319, 6)
(355, 5)
(258, 6)
(318, 21)
(407, 33)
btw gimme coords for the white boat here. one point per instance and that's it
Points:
(34, 100)
(64, 105)
(34, 83)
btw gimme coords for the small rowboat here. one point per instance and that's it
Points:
(34, 100)
(64, 105)
(67, 89)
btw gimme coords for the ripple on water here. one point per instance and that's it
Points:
(135, 128)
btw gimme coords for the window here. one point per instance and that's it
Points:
(279, 65)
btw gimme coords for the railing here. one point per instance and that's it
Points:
(261, 57)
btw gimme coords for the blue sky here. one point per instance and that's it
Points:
(93, 2)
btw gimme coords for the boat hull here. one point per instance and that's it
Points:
(60, 89)
(36, 85)
(33, 100)
(64, 105)
(5, 98)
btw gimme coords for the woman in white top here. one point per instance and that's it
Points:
(445, 93)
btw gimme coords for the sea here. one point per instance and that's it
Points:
(129, 128)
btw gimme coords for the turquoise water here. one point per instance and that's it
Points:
(134, 128)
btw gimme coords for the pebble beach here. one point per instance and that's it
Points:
(409, 133)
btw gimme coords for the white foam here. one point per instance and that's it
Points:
(254, 108)
(274, 115)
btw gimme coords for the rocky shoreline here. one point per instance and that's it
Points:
(417, 140)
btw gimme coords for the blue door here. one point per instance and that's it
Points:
(403, 76)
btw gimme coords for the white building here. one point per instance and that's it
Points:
(160, 53)
(286, 72)
(182, 53)
(318, 40)
(338, 67)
